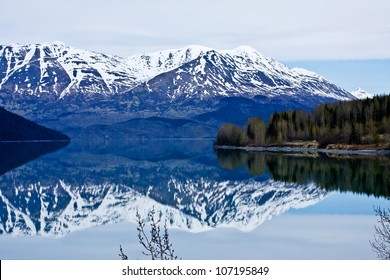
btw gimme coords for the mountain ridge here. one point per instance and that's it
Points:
(55, 68)
(64, 87)
(238, 73)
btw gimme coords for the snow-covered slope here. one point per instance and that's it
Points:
(60, 70)
(55, 69)
(360, 93)
(149, 65)
(240, 72)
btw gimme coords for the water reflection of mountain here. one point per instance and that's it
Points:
(359, 174)
(14, 154)
(80, 187)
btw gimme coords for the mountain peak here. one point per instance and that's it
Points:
(360, 93)
(197, 48)
(18, 45)
(194, 49)
(55, 43)
(245, 49)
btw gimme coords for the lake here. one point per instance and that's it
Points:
(79, 201)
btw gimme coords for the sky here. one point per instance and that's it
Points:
(299, 30)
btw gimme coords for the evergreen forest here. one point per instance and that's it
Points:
(364, 123)
(16, 128)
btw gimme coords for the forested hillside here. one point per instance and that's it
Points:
(358, 122)
(16, 128)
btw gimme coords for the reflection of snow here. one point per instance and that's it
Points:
(196, 205)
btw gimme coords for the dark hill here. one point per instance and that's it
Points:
(16, 128)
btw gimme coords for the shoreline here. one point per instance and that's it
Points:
(33, 141)
(285, 149)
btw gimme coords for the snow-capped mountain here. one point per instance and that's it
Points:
(67, 88)
(360, 93)
(149, 65)
(191, 72)
(60, 70)
(240, 72)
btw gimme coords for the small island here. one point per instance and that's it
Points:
(349, 125)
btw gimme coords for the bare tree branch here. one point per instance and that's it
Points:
(121, 254)
(157, 246)
(381, 243)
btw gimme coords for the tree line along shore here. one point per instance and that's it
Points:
(357, 124)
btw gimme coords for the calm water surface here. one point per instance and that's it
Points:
(79, 201)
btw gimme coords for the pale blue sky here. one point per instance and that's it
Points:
(285, 30)
(370, 75)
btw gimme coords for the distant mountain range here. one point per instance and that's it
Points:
(68, 88)
(190, 72)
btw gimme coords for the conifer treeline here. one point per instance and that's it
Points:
(350, 122)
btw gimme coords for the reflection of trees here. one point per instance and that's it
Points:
(361, 174)
(16, 154)
(381, 243)
(231, 159)
(234, 159)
